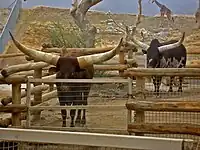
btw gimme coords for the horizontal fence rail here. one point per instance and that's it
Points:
(94, 80)
(91, 107)
(188, 72)
(93, 139)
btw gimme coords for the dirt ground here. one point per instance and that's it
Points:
(115, 119)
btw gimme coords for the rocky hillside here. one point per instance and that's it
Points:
(34, 25)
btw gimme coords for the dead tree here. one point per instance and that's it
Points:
(197, 16)
(78, 12)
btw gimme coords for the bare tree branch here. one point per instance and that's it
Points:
(78, 12)
(138, 19)
(120, 28)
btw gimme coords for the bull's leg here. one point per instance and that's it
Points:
(63, 111)
(64, 117)
(170, 84)
(72, 114)
(83, 120)
(180, 84)
(78, 101)
(78, 118)
(157, 83)
(86, 93)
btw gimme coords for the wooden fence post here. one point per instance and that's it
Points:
(130, 94)
(37, 95)
(28, 104)
(51, 85)
(16, 99)
(121, 60)
(140, 86)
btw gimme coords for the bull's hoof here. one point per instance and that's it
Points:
(170, 90)
(83, 122)
(180, 90)
(72, 125)
(64, 124)
(157, 96)
(78, 122)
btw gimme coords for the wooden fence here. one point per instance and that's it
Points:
(26, 138)
(18, 75)
(141, 105)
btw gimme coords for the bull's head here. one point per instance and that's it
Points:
(154, 50)
(81, 62)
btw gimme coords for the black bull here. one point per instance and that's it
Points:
(72, 93)
(171, 58)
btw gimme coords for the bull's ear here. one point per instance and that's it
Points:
(144, 51)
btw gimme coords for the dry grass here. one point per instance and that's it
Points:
(32, 26)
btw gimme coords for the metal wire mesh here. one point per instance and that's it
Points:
(107, 94)
(18, 145)
(190, 89)
(190, 92)
(8, 145)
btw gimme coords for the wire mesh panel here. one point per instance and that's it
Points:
(7, 145)
(104, 104)
(158, 88)
(161, 123)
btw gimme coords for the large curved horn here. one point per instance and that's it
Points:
(141, 44)
(35, 54)
(85, 61)
(171, 46)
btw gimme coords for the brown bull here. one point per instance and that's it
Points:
(71, 68)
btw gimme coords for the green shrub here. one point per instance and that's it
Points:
(68, 37)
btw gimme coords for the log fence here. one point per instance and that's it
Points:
(19, 74)
(42, 73)
(141, 106)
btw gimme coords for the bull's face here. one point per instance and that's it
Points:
(153, 54)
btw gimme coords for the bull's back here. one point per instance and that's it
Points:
(176, 54)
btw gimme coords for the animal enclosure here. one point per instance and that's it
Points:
(169, 114)
(106, 111)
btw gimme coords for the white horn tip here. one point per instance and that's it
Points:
(183, 37)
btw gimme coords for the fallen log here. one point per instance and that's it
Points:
(116, 62)
(193, 64)
(8, 121)
(30, 73)
(11, 55)
(13, 79)
(45, 97)
(164, 128)
(13, 108)
(195, 51)
(78, 51)
(144, 72)
(170, 106)
(22, 67)
(49, 77)
(110, 67)
(7, 100)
